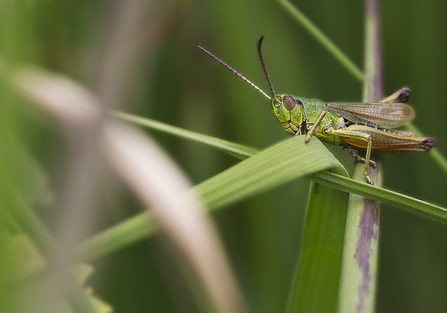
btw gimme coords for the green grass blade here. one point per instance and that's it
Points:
(316, 281)
(270, 168)
(322, 39)
(395, 199)
(234, 149)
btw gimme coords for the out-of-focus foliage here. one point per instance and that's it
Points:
(177, 84)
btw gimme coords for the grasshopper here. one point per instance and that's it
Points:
(356, 126)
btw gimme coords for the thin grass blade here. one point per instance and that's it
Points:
(322, 39)
(395, 199)
(316, 281)
(234, 149)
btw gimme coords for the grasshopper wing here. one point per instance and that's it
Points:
(387, 115)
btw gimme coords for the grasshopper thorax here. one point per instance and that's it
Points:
(290, 113)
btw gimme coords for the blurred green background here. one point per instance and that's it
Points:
(177, 84)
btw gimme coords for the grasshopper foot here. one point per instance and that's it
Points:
(368, 179)
(359, 158)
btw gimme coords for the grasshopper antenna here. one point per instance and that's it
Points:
(237, 73)
(264, 67)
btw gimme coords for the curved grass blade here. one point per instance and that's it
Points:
(270, 168)
(234, 149)
(316, 281)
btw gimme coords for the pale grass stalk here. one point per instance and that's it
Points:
(150, 174)
(361, 249)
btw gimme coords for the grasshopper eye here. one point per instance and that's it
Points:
(289, 103)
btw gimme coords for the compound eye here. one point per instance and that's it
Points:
(289, 103)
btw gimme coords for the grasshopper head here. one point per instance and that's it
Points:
(287, 109)
(289, 112)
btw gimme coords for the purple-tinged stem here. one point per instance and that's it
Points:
(360, 252)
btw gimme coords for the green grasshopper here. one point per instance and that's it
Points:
(360, 126)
